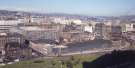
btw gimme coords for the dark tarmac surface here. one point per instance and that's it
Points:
(89, 45)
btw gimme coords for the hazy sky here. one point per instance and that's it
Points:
(87, 7)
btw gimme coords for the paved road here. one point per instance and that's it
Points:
(95, 51)
(90, 45)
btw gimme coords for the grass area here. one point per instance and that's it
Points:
(58, 62)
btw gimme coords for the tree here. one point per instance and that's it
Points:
(69, 64)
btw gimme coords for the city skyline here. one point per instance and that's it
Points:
(82, 7)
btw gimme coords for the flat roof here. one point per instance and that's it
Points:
(31, 28)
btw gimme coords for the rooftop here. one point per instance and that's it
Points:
(10, 35)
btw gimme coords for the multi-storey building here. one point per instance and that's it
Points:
(46, 31)
(13, 46)
(116, 32)
(107, 31)
(127, 27)
(99, 30)
(5, 25)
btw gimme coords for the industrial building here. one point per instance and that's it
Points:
(13, 46)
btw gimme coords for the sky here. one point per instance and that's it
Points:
(82, 7)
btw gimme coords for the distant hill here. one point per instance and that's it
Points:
(7, 13)
(82, 17)
(23, 13)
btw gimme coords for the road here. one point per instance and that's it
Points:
(95, 51)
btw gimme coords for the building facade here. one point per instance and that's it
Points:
(12, 46)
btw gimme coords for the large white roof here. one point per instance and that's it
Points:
(31, 28)
(10, 22)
